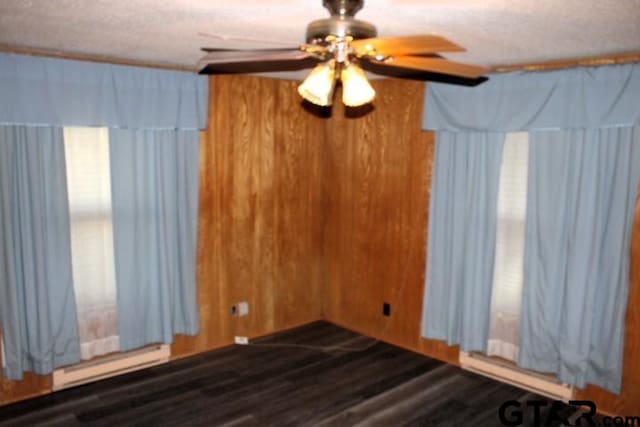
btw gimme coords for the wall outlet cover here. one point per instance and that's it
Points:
(243, 308)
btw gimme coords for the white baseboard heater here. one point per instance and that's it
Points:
(544, 385)
(110, 366)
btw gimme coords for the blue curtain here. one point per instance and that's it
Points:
(563, 99)
(154, 176)
(154, 199)
(462, 236)
(581, 200)
(61, 92)
(37, 304)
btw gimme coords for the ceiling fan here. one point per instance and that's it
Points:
(340, 47)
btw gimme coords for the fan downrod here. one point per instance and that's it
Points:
(343, 8)
(341, 23)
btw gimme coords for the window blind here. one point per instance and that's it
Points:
(506, 299)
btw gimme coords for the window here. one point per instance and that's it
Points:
(504, 327)
(89, 191)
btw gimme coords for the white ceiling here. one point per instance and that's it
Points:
(495, 32)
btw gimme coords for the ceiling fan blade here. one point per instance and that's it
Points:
(378, 67)
(236, 55)
(227, 38)
(435, 65)
(315, 49)
(410, 45)
(254, 61)
(270, 49)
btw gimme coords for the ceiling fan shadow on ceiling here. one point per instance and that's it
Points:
(340, 48)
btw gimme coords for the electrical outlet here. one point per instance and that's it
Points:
(240, 309)
(241, 340)
(386, 309)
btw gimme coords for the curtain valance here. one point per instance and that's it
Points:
(59, 92)
(574, 98)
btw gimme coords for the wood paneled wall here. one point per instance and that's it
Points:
(377, 176)
(261, 212)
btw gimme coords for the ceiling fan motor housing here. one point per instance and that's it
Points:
(341, 23)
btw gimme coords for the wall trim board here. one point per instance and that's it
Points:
(597, 61)
(230, 343)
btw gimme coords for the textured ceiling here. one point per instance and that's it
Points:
(495, 32)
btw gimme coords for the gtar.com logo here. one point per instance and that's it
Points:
(552, 413)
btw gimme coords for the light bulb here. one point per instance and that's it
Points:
(318, 87)
(356, 90)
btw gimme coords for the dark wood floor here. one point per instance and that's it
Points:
(265, 385)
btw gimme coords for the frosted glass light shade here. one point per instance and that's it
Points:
(356, 90)
(318, 87)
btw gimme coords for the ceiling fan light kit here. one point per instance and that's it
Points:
(319, 86)
(356, 90)
(340, 47)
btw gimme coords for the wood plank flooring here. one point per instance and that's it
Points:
(281, 382)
